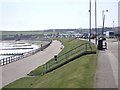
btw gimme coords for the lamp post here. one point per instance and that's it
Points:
(90, 21)
(96, 21)
(113, 24)
(103, 17)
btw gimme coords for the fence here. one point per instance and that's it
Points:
(57, 61)
(17, 57)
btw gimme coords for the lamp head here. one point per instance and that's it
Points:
(106, 10)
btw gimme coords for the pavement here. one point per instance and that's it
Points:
(107, 68)
(20, 68)
(107, 65)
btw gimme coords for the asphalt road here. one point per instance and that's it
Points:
(21, 68)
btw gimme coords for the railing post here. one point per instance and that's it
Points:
(0, 62)
(9, 59)
(66, 56)
(6, 60)
(3, 61)
(46, 66)
(90, 47)
(86, 47)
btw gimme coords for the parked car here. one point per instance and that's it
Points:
(103, 38)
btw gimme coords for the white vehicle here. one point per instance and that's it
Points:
(110, 34)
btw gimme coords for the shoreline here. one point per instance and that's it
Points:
(33, 44)
(36, 42)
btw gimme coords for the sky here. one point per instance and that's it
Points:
(55, 14)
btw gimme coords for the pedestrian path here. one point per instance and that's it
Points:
(107, 65)
(21, 68)
(107, 68)
(104, 74)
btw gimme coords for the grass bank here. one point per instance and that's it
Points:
(76, 74)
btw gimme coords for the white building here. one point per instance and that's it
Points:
(110, 34)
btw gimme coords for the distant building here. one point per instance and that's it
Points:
(110, 34)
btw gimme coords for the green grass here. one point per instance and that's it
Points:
(76, 74)
(68, 43)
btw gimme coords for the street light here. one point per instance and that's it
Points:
(90, 20)
(103, 17)
(96, 21)
(113, 24)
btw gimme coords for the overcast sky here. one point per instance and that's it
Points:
(52, 14)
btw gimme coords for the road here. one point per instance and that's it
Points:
(21, 68)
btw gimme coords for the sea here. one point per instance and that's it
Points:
(6, 49)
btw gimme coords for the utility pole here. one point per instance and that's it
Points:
(103, 17)
(90, 22)
(96, 21)
(113, 24)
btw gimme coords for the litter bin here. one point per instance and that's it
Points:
(100, 44)
(55, 56)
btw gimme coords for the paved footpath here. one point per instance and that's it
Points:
(21, 68)
(107, 66)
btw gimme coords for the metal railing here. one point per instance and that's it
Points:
(17, 57)
(57, 60)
